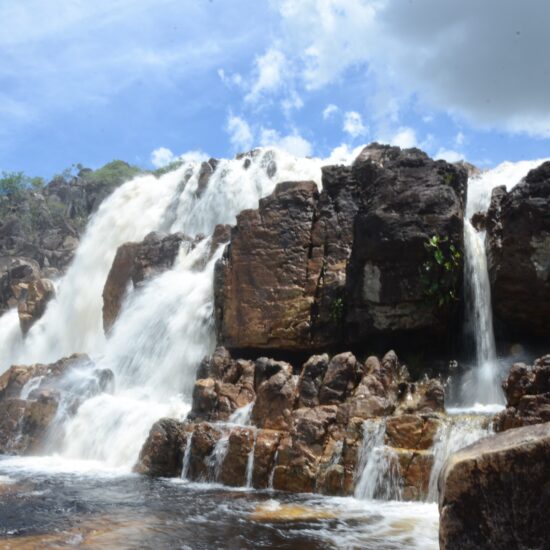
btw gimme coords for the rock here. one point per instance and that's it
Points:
(33, 302)
(224, 385)
(240, 445)
(267, 443)
(411, 431)
(275, 394)
(495, 493)
(133, 264)
(204, 439)
(162, 453)
(340, 380)
(518, 250)
(311, 379)
(415, 468)
(527, 390)
(262, 282)
(409, 199)
(11, 415)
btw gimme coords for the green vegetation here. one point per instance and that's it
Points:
(112, 174)
(440, 273)
(337, 309)
(15, 183)
(168, 168)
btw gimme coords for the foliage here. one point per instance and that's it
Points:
(15, 183)
(168, 168)
(440, 273)
(112, 174)
(337, 311)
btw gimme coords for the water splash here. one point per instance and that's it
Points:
(455, 433)
(378, 468)
(250, 461)
(216, 458)
(187, 455)
(242, 416)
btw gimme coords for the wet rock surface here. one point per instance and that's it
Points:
(527, 390)
(495, 493)
(31, 397)
(518, 250)
(303, 432)
(310, 269)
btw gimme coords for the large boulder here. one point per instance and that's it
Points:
(135, 263)
(519, 256)
(496, 493)
(408, 200)
(162, 453)
(309, 270)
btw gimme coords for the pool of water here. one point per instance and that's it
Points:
(51, 503)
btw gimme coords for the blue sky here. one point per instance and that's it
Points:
(149, 80)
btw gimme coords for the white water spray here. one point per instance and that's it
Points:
(482, 384)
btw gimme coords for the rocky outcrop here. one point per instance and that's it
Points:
(22, 286)
(162, 452)
(518, 249)
(308, 270)
(306, 431)
(135, 263)
(494, 494)
(30, 397)
(409, 199)
(527, 390)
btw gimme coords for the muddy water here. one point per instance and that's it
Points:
(48, 503)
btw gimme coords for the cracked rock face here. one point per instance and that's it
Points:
(518, 250)
(311, 269)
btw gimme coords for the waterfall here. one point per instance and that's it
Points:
(216, 458)
(165, 327)
(377, 469)
(241, 417)
(455, 433)
(250, 461)
(482, 384)
(186, 455)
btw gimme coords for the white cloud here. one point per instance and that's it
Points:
(231, 80)
(292, 102)
(429, 51)
(449, 155)
(353, 124)
(343, 154)
(163, 157)
(460, 139)
(330, 111)
(294, 143)
(404, 138)
(269, 69)
(240, 133)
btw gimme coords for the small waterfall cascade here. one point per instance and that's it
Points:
(216, 458)
(241, 417)
(378, 469)
(187, 455)
(250, 461)
(482, 384)
(455, 433)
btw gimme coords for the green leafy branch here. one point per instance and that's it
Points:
(440, 273)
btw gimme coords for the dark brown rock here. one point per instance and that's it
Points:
(240, 445)
(162, 453)
(33, 301)
(495, 493)
(518, 252)
(408, 199)
(311, 379)
(340, 380)
(267, 443)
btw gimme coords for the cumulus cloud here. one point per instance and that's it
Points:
(449, 155)
(330, 111)
(294, 143)
(163, 157)
(240, 133)
(484, 61)
(404, 138)
(353, 124)
(269, 69)
(343, 154)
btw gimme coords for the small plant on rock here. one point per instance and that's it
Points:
(440, 273)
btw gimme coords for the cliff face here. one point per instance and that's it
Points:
(310, 270)
(518, 231)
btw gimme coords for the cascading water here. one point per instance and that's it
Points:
(165, 328)
(482, 383)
